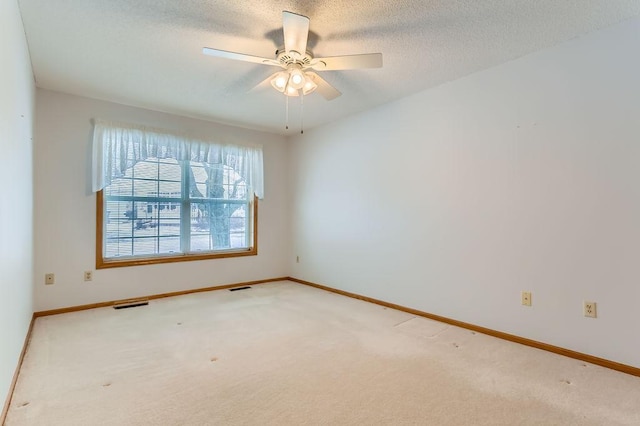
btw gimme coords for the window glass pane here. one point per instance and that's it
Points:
(218, 225)
(200, 235)
(169, 244)
(234, 185)
(118, 228)
(216, 181)
(120, 247)
(145, 219)
(170, 170)
(199, 181)
(145, 188)
(170, 189)
(169, 228)
(156, 228)
(236, 189)
(238, 227)
(219, 219)
(146, 169)
(122, 186)
(142, 246)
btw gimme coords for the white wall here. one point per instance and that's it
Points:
(16, 190)
(525, 176)
(65, 208)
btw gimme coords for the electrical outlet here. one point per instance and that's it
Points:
(49, 279)
(590, 310)
(526, 298)
(88, 275)
(297, 259)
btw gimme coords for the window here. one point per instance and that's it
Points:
(162, 207)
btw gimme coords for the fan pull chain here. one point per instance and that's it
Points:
(286, 120)
(301, 112)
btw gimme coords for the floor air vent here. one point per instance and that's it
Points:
(239, 288)
(130, 303)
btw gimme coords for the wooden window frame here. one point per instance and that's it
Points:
(102, 263)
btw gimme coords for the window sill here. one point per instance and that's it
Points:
(136, 261)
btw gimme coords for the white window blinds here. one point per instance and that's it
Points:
(118, 147)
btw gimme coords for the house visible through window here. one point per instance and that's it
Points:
(155, 209)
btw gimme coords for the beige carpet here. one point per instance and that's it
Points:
(287, 354)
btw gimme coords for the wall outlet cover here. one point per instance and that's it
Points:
(590, 310)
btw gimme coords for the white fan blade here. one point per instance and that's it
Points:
(296, 30)
(325, 89)
(348, 62)
(239, 56)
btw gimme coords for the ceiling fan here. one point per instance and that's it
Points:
(298, 63)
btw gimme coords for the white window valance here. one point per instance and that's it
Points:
(118, 147)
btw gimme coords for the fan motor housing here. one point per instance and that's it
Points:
(287, 59)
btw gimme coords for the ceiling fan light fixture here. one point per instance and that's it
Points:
(309, 86)
(280, 81)
(297, 78)
(291, 91)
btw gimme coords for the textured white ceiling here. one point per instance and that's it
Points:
(148, 53)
